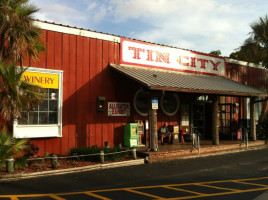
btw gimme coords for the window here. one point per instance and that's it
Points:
(46, 119)
(46, 112)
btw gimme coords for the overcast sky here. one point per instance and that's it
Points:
(199, 25)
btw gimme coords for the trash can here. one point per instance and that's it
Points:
(131, 135)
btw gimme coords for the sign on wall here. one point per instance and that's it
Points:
(42, 80)
(118, 109)
(155, 103)
(150, 55)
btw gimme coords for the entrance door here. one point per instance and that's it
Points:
(226, 121)
(199, 118)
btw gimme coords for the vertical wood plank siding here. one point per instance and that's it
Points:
(86, 76)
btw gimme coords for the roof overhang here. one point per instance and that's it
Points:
(169, 80)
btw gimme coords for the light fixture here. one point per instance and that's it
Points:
(100, 104)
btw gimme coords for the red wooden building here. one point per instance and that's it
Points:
(82, 70)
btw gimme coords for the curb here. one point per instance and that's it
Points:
(14, 177)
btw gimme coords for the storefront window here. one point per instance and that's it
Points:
(46, 112)
(170, 104)
(141, 103)
(46, 119)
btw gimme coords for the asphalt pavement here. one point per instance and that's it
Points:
(227, 168)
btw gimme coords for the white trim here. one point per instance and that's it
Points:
(43, 130)
(248, 64)
(76, 31)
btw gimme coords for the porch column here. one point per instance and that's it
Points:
(153, 128)
(252, 119)
(215, 119)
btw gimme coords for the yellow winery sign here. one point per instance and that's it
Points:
(41, 79)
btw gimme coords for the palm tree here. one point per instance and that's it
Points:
(255, 48)
(18, 34)
(15, 95)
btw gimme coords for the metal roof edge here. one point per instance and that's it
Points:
(248, 64)
(76, 31)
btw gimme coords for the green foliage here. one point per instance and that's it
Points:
(255, 48)
(215, 53)
(18, 33)
(97, 150)
(15, 94)
(262, 130)
(9, 147)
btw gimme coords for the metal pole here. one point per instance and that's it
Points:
(198, 144)
(134, 154)
(102, 157)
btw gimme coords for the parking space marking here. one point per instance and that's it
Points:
(224, 191)
(96, 195)
(247, 183)
(143, 193)
(180, 189)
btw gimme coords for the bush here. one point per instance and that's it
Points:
(97, 150)
(9, 147)
(262, 130)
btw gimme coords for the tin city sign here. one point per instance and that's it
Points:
(118, 109)
(150, 55)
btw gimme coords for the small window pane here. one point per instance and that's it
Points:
(43, 106)
(53, 105)
(33, 118)
(43, 118)
(53, 118)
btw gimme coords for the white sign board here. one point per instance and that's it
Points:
(155, 103)
(156, 56)
(118, 109)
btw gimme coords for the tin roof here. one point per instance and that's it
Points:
(169, 80)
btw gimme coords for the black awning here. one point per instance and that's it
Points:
(169, 80)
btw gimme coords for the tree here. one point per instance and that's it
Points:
(215, 53)
(255, 48)
(18, 34)
(15, 95)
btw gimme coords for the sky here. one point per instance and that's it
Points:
(197, 25)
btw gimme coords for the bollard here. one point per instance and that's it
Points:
(10, 165)
(134, 154)
(54, 161)
(102, 157)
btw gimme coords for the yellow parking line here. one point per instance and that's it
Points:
(215, 187)
(13, 198)
(247, 183)
(183, 190)
(97, 196)
(144, 194)
(171, 186)
(55, 197)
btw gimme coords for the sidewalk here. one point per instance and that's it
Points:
(186, 150)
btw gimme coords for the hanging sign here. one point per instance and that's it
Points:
(42, 80)
(156, 56)
(118, 109)
(155, 103)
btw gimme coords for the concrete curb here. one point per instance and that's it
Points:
(13, 177)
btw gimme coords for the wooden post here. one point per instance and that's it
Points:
(215, 119)
(153, 129)
(252, 120)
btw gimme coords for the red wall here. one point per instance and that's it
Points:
(85, 62)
